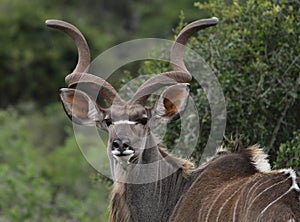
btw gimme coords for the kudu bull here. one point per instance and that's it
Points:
(229, 187)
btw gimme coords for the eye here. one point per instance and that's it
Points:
(108, 122)
(144, 121)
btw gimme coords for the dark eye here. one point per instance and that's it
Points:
(144, 121)
(108, 122)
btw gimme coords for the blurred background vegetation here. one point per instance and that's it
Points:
(254, 52)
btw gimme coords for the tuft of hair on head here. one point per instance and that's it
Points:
(259, 158)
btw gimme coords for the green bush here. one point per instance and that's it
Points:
(254, 52)
(42, 184)
(25, 195)
(288, 154)
(34, 59)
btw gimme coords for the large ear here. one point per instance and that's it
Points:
(79, 107)
(172, 102)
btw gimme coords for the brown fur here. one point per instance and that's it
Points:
(228, 187)
(118, 207)
(231, 189)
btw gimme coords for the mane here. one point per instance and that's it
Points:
(254, 154)
(259, 158)
(118, 207)
(184, 164)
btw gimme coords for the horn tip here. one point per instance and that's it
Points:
(56, 23)
(215, 20)
(50, 22)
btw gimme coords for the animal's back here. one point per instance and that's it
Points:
(233, 188)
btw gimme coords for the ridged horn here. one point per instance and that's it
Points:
(180, 74)
(89, 83)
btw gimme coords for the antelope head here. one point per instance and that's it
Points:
(128, 122)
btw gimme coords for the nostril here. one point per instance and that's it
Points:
(120, 144)
(116, 144)
(125, 143)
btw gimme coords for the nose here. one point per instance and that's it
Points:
(121, 144)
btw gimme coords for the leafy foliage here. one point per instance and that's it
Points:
(254, 52)
(255, 57)
(288, 154)
(34, 59)
(38, 184)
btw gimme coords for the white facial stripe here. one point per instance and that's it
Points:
(124, 122)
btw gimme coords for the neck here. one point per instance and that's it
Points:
(153, 198)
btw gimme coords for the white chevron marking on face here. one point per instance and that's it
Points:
(124, 122)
